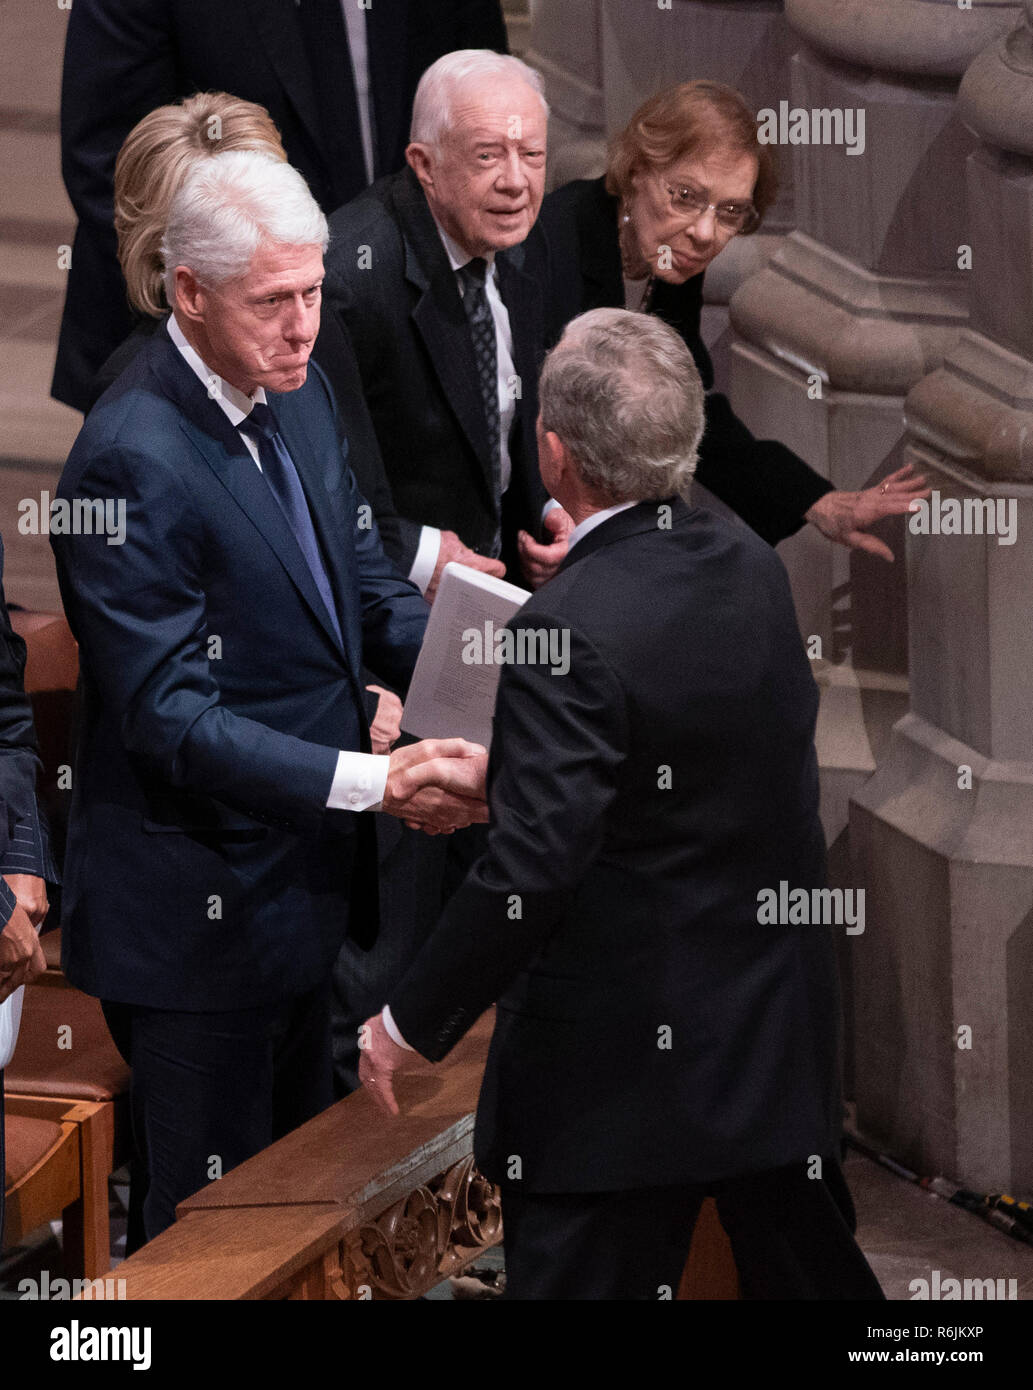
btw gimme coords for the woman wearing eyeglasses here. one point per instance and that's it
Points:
(686, 176)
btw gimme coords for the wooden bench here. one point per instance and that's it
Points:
(355, 1204)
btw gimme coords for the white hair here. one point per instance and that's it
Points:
(622, 392)
(440, 84)
(227, 206)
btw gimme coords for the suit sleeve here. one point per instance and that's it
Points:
(119, 63)
(558, 745)
(336, 356)
(24, 838)
(762, 480)
(139, 611)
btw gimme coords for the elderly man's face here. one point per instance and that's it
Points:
(486, 182)
(258, 330)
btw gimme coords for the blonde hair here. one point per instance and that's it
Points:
(693, 118)
(152, 165)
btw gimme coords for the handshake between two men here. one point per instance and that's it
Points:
(436, 785)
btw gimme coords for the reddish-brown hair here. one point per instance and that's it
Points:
(693, 118)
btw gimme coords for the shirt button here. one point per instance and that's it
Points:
(354, 798)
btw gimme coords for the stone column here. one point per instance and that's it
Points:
(942, 835)
(857, 305)
(566, 48)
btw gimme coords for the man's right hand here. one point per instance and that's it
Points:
(21, 955)
(437, 785)
(452, 548)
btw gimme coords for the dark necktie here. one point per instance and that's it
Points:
(280, 473)
(485, 349)
(333, 82)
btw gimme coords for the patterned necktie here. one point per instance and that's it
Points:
(280, 473)
(482, 332)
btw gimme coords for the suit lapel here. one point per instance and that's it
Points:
(440, 318)
(275, 26)
(206, 426)
(521, 295)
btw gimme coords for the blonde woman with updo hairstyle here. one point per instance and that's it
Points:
(150, 168)
(685, 177)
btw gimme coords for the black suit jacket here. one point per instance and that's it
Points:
(24, 835)
(650, 1031)
(768, 485)
(405, 318)
(203, 869)
(124, 59)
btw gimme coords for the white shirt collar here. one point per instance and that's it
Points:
(457, 256)
(234, 404)
(582, 529)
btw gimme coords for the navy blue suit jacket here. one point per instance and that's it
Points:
(203, 869)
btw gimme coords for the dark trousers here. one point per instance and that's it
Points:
(209, 1090)
(413, 869)
(792, 1237)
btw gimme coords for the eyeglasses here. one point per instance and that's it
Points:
(690, 202)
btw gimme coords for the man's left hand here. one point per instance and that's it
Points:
(846, 516)
(31, 895)
(379, 1060)
(540, 562)
(387, 723)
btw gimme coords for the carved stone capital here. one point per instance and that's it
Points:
(995, 99)
(977, 410)
(819, 312)
(930, 38)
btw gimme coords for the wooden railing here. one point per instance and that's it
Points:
(356, 1205)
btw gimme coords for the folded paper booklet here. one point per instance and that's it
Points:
(452, 694)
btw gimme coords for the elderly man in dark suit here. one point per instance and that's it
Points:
(337, 77)
(223, 620)
(656, 1039)
(426, 275)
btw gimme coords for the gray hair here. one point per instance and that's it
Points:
(227, 206)
(439, 85)
(622, 392)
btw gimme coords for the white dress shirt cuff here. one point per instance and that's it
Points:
(391, 1029)
(360, 781)
(426, 561)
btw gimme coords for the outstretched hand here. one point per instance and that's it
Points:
(379, 1059)
(437, 785)
(846, 516)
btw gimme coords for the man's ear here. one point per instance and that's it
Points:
(560, 461)
(189, 295)
(420, 159)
